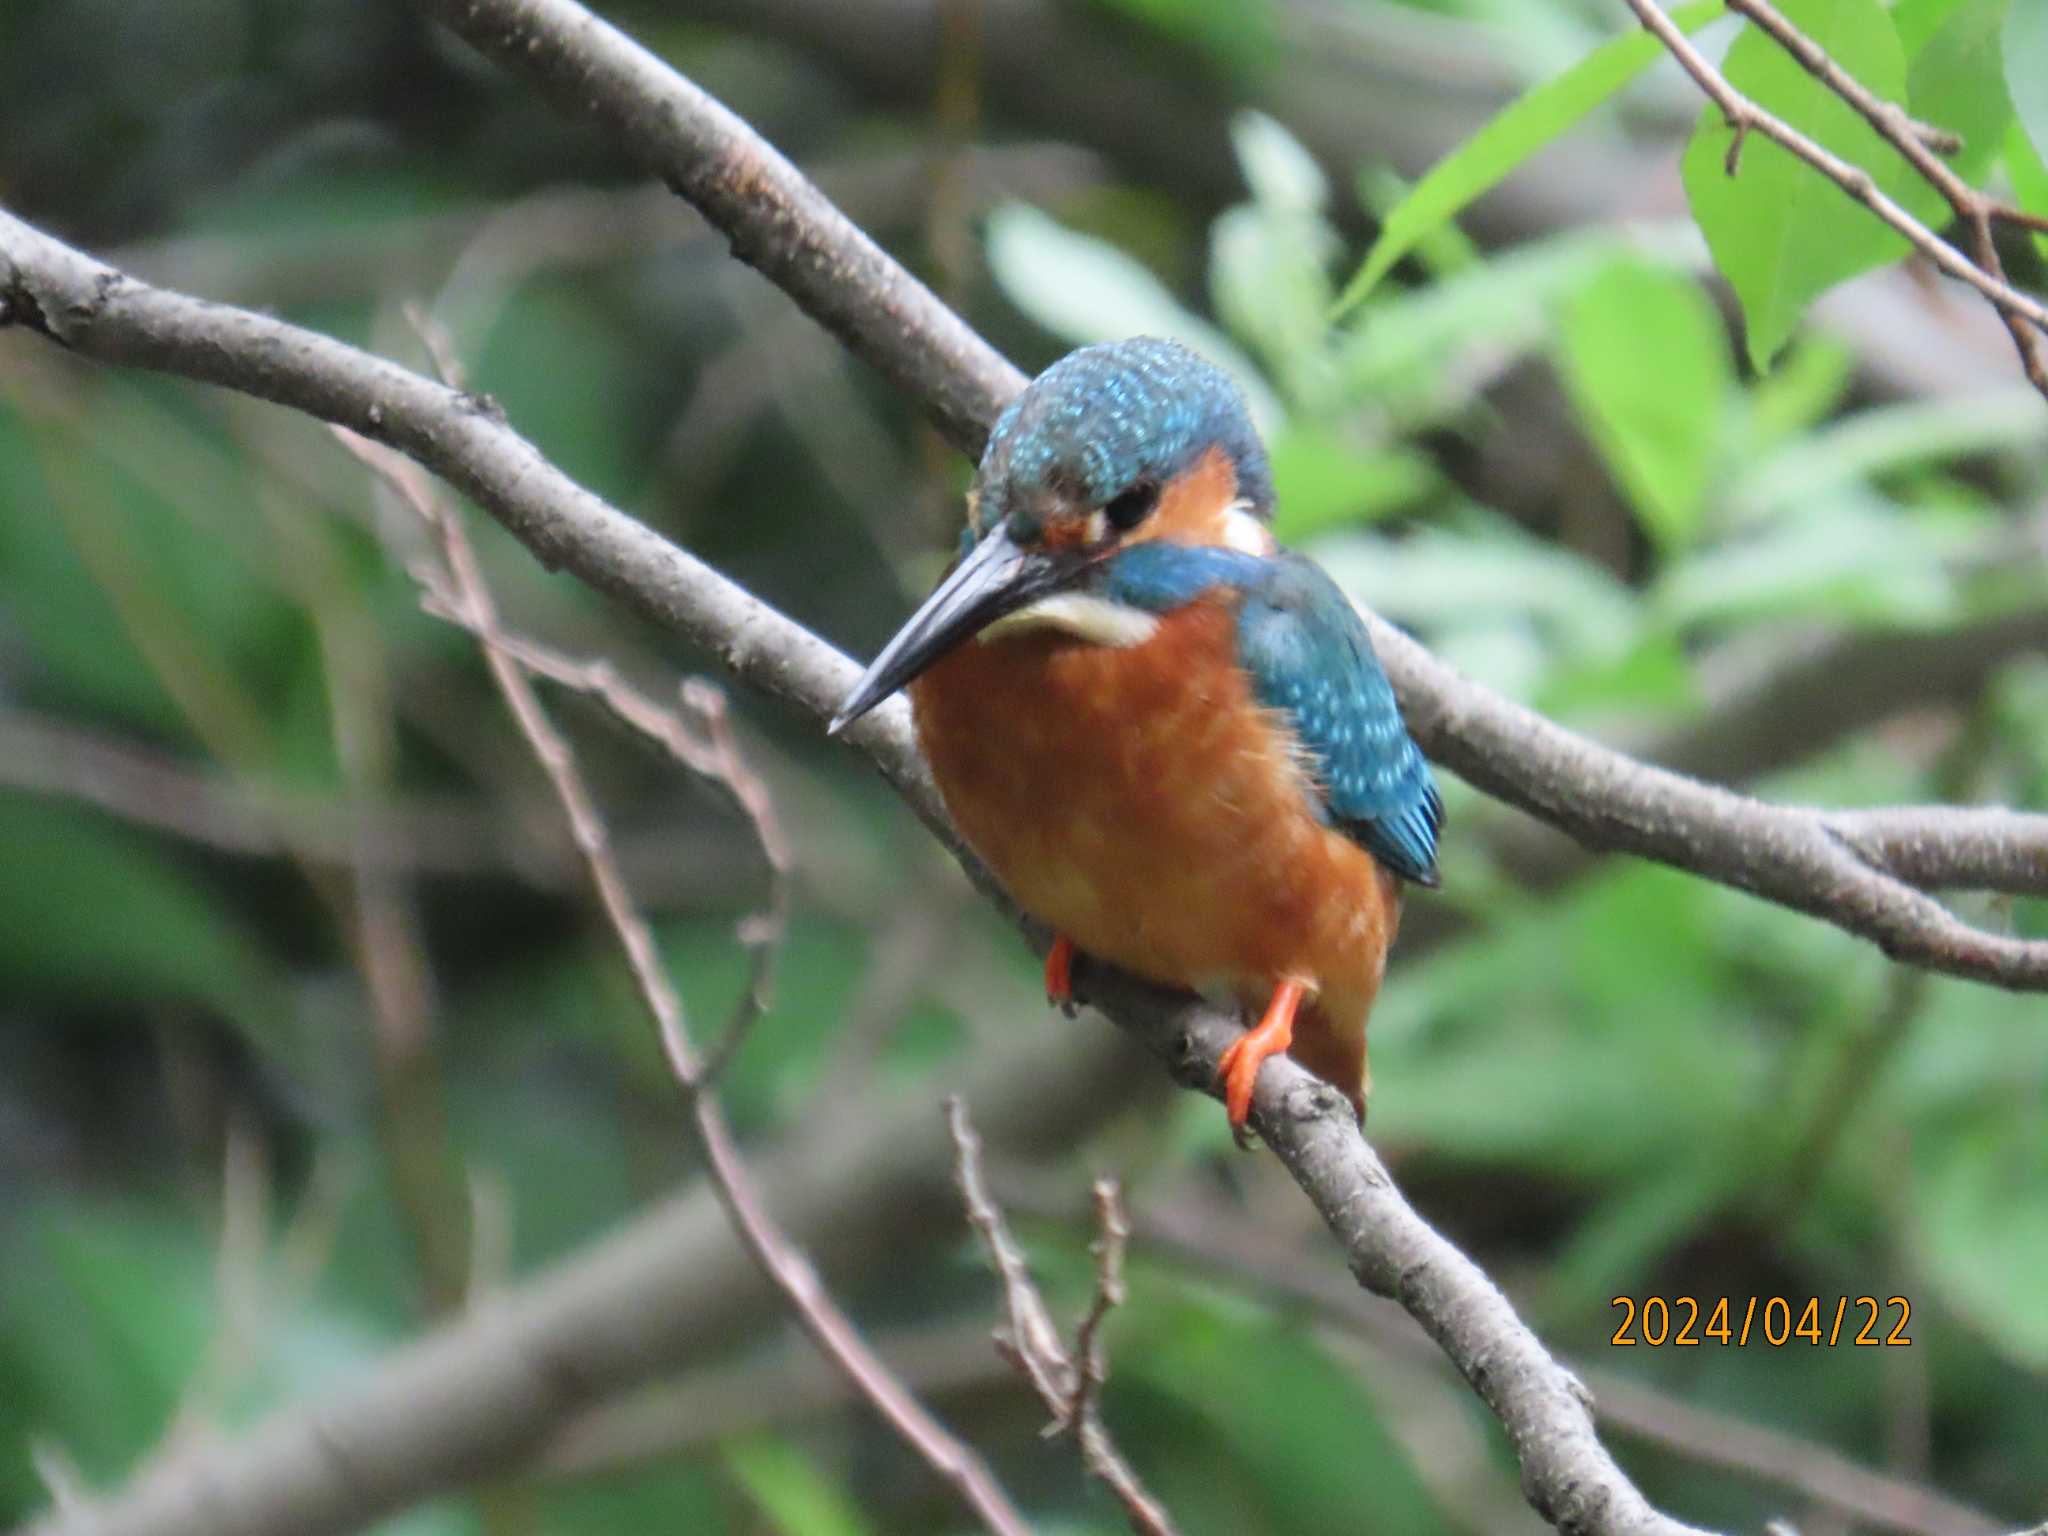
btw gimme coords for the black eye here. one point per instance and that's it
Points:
(1132, 505)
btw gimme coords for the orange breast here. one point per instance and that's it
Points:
(1140, 801)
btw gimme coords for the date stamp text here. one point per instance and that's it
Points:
(1779, 1321)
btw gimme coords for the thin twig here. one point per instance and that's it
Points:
(829, 1328)
(761, 934)
(2024, 316)
(714, 755)
(1091, 1359)
(1068, 1383)
(1033, 1341)
(1973, 208)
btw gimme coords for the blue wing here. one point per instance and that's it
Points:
(1308, 655)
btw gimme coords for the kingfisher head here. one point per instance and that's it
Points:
(1112, 445)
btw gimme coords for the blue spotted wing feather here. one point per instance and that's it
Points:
(1309, 656)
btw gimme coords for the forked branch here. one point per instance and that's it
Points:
(2025, 317)
(1068, 1381)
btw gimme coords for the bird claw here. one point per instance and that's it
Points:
(1238, 1068)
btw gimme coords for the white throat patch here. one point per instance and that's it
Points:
(1083, 615)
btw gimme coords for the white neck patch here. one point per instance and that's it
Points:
(1081, 614)
(1243, 532)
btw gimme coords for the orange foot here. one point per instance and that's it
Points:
(1059, 973)
(1239, 1068)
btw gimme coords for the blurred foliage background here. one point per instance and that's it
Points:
(306, 1030)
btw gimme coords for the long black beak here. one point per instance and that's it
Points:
(997, 578)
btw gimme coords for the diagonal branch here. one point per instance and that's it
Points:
(776, 218)
(2024, 315)
(1792, 855)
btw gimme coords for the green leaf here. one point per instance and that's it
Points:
(1423, 353)
(1530, 122)
(2026, 49)
(1086, 290)
(1847, 558)
(89, 909)
(1444, 251)
(154, 543)
(2029, 177)
(1780, 231)
(1801, 392)
(798, 1498)
(1976, 1197)
(1646, 364)
(1882, 441)
(671, 1494)
(1268, 277)
(1495, 570)
(104, 1316)
(1293, 1445)
(1615, 1100)
(1918, 20)
(1323, 482)
(1957, 82)
(1238, 37)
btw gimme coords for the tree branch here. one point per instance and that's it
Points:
(245, 818)
(1567, 1475)
(1217, 1241)
(2025, 317)
(778, 221)
(1599, 796)
(1788, 854)
(312, 1470)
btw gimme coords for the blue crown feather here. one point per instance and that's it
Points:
(1106, 416)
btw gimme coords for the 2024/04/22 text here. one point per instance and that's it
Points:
(1774, 1320)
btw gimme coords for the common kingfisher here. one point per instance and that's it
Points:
(1168, 736)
